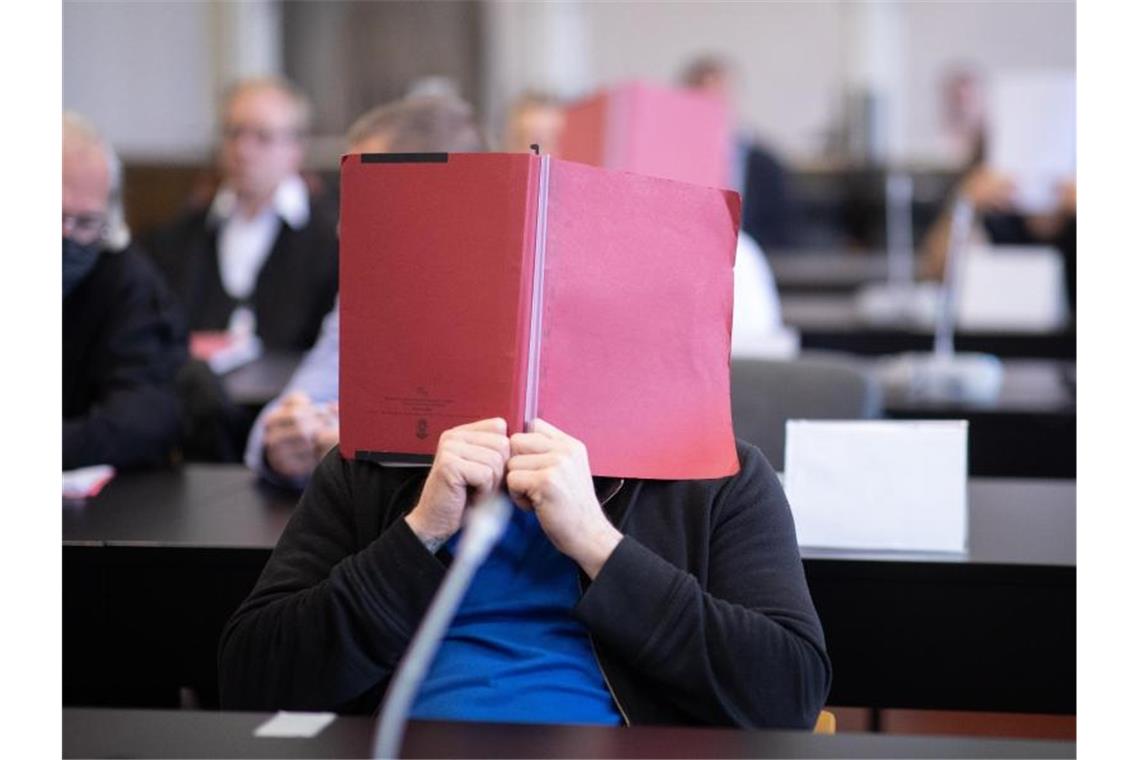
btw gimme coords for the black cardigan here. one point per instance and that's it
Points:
(701, 615)
(124, 340)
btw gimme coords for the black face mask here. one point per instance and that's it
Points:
(78, 261)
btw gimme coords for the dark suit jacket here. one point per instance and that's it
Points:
(295, 289)
(767, 209)
(123, 341)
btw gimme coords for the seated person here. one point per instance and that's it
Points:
(607, 601)
(295, 430)
(534, 118)
(992, 194)
(264, 254)
(756, 172)
(123, 337)
(992, 197)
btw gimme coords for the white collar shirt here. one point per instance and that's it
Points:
(244, 243)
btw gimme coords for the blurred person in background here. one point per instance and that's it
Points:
(124, 338)
(757, 325)
(756, 173)
(963, 115)
(262, 257)
(534, 118)
(992, 194)
(295, 431)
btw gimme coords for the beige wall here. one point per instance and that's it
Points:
(149, 73)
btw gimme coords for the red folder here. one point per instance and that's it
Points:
(513, 285)
(661, 131)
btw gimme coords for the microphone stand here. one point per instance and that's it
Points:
(484, 524)
(944, 375)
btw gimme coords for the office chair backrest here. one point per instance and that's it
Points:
(767, 393)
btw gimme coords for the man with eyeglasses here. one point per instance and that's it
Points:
(123, 337)
(263, 256)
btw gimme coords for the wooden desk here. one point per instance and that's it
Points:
(154, 566)
(830, 322)
(165, 734)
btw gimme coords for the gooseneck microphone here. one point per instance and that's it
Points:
(483, 524)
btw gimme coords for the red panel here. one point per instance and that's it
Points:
(637, 322)
(661, 131)
(583, 137)
(436, 265)
(435, 268)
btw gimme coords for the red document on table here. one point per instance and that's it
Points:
(661, 131)
(515, 286)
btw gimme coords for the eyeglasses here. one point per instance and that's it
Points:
(260, 135)
(84, 228)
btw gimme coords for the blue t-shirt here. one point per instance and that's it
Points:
(514, 652)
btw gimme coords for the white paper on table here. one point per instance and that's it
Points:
(1031, 133)
(86, 482)
(294, 725)
(878, 485)
(1008, 287)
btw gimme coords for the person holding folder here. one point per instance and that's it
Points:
(649, 576)
(608, 601)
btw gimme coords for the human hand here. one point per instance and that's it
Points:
(549, 472)
(468, 464)
(987, 190)
(1048, 225)
(327, 432)
(290, 430)
(1067, 194)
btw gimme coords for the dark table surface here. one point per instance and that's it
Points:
(155, 565)
(166, 734)
(198, 505)
(831, 322)
(1012, 522)
(1039, 386)
(259, 382)
(817, 271)
(1029, 430)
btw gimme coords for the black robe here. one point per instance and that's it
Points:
(295, 289)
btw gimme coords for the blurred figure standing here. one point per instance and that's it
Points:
(756, 173)
(757, 324)
(123, 338)
(963, 116)
(263, 256)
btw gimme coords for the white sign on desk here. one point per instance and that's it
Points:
(1012, 287)
(878, 485)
